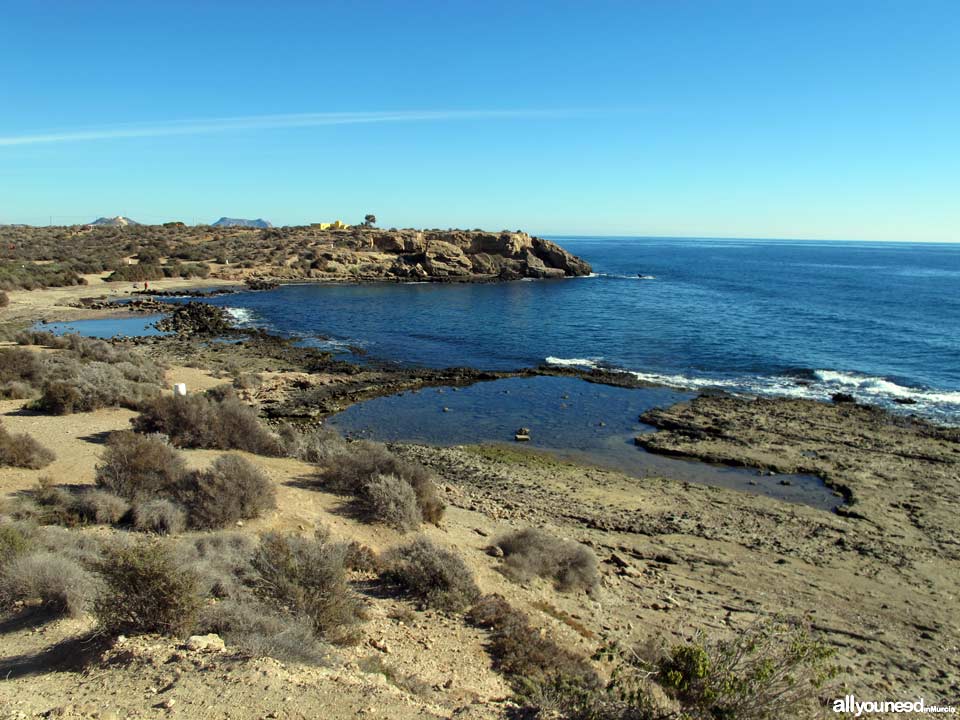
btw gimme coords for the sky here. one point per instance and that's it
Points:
(774, 118)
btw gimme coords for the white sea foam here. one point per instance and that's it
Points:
(574, 362)
(867, 385)
(240, 316)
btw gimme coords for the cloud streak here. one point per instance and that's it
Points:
(271, 122)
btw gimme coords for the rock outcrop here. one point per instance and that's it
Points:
(452, 255)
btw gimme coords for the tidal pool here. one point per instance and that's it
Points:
(567, 417)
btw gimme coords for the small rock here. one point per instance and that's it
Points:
(206, 643)
(379, 645)
(495, 551)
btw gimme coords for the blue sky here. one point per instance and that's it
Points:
(833, 119)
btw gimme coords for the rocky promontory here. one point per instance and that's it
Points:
(450, 255)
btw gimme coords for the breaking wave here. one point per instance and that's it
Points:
(240, 316)
(813, 384)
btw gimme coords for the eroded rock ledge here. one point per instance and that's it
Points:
(371, 254)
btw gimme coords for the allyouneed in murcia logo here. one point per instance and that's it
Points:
(850, 705)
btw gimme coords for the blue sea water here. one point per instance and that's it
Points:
(880, 321)
(801, 318)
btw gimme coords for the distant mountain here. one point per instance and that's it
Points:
(239, 222)
(118, 221)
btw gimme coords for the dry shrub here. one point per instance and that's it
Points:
(100, 506)
(19, 365)
(73, 387)
(390, 500)
(160, 516)
(531, 552)
(309, 577)
(15, 390)
(139, 466)
(23, 451)
(201, 421)
(15, 540)
(362, 558)
(221, 561)
(534, 664)
(232, 489)
(313, 445)
(358, 464)
(436, 576)
(145, 591)
(260, 630)
(61, 583)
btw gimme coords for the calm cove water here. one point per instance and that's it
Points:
(878, 320)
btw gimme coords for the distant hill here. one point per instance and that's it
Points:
(239, 222)
(118, 221)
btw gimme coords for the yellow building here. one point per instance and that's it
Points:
(335, 225)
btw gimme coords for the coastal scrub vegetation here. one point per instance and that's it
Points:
(435, 576)
(534, 552)
(385, 488)
(216, 420)
(769, 671)
(22, 451)
(82, 374)
(144, 482)
(534, 664)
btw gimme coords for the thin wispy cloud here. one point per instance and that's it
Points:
(269, 122)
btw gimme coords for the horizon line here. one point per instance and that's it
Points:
(164, 128)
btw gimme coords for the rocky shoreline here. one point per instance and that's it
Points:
(877, 578)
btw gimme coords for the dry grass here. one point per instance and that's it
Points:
(159, 516)
(62, 584)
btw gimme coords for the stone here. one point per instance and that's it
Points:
(206, 643)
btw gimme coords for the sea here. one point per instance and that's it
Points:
(878, 321)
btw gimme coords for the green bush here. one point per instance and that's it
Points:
(437, 577)
(146, 592)
(14, 541)
(532, 552)
(771, 670)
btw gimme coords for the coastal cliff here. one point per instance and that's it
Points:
(155, 252)
(371, 254)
